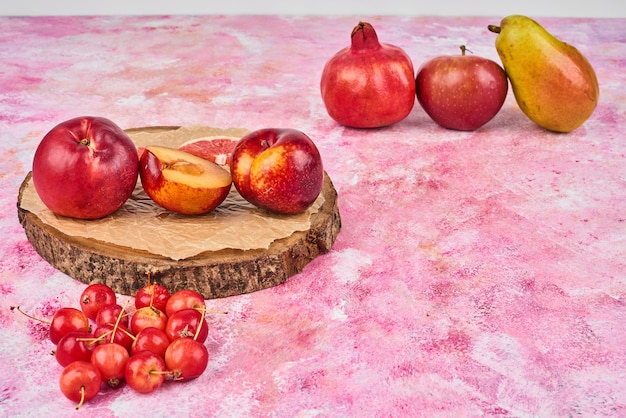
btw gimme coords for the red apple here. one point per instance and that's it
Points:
(181, 182)
(85, 168)
(279, 170)
(461, 92)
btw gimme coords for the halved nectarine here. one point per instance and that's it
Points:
(181, 182)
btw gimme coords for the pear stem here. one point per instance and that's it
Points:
(493, 28)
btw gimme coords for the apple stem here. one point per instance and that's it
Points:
(493, 28)
(30, 316)
(463, 49)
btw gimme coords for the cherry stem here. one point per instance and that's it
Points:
(90, 341)
(165, 372)
(96, 339)
(202, 311)
(152, 297)
(149, 283)
(211, 311)
(117, 321)
(105, 335)
(82, 397)
(128, 333)
(30, 316)
(154, 309)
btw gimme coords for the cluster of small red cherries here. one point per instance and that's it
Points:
(161, 339)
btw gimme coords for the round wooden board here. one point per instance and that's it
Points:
(215, 274)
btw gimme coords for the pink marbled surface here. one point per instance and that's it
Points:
(476, 273)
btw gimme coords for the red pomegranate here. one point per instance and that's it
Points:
(368, 84)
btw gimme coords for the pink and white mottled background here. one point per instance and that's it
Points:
(476, 274)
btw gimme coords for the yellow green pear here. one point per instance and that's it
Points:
(553, 83)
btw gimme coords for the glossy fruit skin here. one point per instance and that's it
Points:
(279, 170)
(368, 84)
(95, 297)
(461, 92)
(151, 339)
(110, 359)
(85, 168)
(80, 374)
(184, 299)
(553, 82)
(144, 372)
(66, 320)
(186, 358)
(184, 324)
(147, 316)
(109, 314)
(144, 296)
(76, 345)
